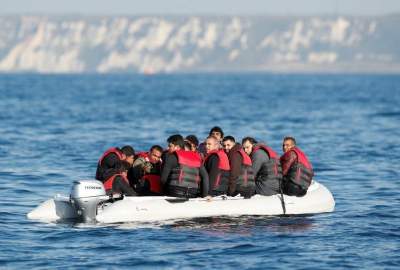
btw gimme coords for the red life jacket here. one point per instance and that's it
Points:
(223, 163)
(301, 172)
(187, 174)
(108, 184)
(246, 176)
(103, 168)
(144, 155)
(273, 169)
(271, 153)
(112, 150)
(220, 184)
(269, 176)
(154, 180)
(246, 159)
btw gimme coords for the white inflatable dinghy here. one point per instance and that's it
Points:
(88, 202)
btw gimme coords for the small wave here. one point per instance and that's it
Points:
(395, 114)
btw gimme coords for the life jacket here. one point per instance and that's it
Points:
(108, 184)
(301, 173)
(144, 155)
(220, 184)
(187, 174)
(153, 179)
(112, 150)
(269, 176)
(246, 177)
(101, 169)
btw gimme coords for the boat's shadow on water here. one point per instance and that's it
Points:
(246, 224)
(216, 225)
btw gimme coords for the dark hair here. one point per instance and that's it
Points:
(216, 129)
(250, 139)
(228, 138)
(188, 145)
(176, 139)
(128, 150)
(192, 139)
(290, 138)
(156, 147)
(125, 166)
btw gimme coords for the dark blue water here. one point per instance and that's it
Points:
(53, 129)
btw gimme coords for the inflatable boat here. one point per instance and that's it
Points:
(89, 203)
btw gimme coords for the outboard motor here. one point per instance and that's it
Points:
(85, 196)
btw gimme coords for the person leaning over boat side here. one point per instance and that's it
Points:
(145, 173)
(297, 170)
(110, 162)
(241, 178)
(216, 163)
(266, 166)
(214, 132)
(182, 174)
(119, 183)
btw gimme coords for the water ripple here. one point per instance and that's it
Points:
(54, 128)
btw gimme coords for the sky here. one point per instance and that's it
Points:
(200, 7)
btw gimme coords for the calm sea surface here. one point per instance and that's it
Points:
(53, 129)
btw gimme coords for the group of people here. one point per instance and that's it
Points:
(218, 166)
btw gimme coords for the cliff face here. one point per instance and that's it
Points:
(154, 44)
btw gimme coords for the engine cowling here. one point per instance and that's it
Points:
(86, 195)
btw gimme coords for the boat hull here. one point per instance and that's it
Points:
(149, 209)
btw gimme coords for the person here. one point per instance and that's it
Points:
(119, 183)
(215, 132)
(216, 163)
(144, 175)
(241, 178)
(183, 174)
(193, 141)
(296, 169)
(266, 166)
(188, 146)
(110, 162)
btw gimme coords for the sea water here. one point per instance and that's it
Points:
(53, 129)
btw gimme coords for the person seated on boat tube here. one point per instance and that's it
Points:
(241, 178)
(266, 166)
(216, 163)
(183, 174)
(215, 132)
(119, 183)
(145, 173)
(296, 168)
(110, 162)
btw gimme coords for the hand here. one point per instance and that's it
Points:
(147, 167)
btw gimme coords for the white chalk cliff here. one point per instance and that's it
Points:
(152, 44)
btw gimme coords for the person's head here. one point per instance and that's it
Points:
(228, 143)
(217, 133)
(193, 141)
(248, 144)
(175, 142)
(125, 166)
(188, 146)
(155, 153)
(212, 143)
(288, 143)
(128, 154)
